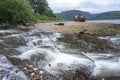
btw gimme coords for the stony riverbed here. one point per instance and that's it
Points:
(31, 54)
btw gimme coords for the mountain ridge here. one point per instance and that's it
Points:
(68, 15)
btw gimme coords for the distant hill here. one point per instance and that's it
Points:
(108, 15)
(68, 15)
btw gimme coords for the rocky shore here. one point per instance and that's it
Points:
(93, 28)
(30, 51)
(84, 35)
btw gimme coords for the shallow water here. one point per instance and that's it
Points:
(106, 21)
(8, 70)
(56, 57)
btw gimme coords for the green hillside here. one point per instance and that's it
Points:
(108, 15)
(68, 15)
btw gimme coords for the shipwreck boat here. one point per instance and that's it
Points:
(79, 18)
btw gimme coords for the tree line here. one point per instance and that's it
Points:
(15, 11)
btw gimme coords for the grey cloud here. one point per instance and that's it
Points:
(93, 6)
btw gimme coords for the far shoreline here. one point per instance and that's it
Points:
(110, 21)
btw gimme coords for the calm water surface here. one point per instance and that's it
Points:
(106, 21)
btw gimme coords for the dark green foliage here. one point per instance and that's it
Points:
(13, 11)
(41, 7)
(21, 11)
(108, 15)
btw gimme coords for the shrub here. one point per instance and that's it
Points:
(13, 11)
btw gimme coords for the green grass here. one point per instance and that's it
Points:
(42, 18)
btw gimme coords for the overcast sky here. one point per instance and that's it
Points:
(92, 6)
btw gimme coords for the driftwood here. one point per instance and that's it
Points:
(61, 24)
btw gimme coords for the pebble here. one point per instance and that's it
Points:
(30, 66)
(25, 68)
(34, 73)
(41, 72)
(35, 69)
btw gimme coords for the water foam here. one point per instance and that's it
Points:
(103, 65)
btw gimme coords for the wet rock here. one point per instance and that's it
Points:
(34, 33)
(23, 28)
(48, 76)
(9, 71)
(16, 61)
(112, 78)
(9, 52)
(82, 74)
(108, 78)
(88, 43)
(4, 34)
(13, 42)
(2, 45)
(78, 74)
(6, 26)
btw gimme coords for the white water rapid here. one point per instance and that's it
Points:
(57, 56)
(104, 65)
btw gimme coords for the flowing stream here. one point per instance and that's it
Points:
(44, 51)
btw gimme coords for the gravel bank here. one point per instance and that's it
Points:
(76, 27)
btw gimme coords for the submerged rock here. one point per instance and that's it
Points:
(10, 72)
(37, 54)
